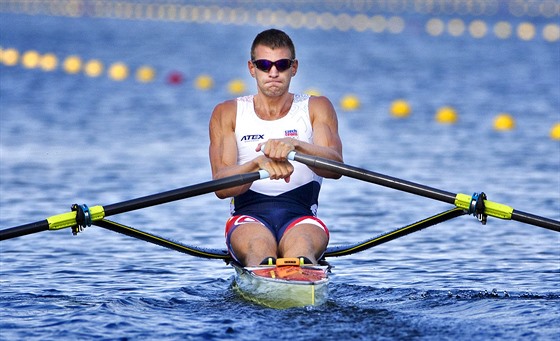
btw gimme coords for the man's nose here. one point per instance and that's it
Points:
(273, 71)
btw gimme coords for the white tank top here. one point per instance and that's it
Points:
(250, 130)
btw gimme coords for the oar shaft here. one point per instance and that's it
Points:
(23, 230)
(376, 178)
(181, 193)
(532, 219)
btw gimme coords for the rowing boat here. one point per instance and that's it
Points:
(286, 284)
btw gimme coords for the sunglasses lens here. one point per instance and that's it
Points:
(283, 64)
(265, 65)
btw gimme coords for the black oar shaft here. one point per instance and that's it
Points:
(536, 220)
(376, 178)
(180, 193)
(23, 230)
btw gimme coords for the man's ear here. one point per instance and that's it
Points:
(295, 67)
(251, 68)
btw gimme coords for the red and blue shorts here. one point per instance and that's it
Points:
(277, 230)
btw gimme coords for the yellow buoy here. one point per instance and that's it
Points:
(93, 68)
(118, 71)
(504, 122)
(145, 74)
(48, 62)
(446, 115)
(555, 132)
(236, 87)
(30, 59)
(72, 64)
(10, 57)
(204, 82)
(350, 102)
(400, 108)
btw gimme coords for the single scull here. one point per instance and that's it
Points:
(286, 284)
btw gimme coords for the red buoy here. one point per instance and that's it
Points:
(175, 78)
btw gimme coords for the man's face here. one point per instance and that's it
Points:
(273, 83)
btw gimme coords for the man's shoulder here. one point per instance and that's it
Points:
(226, 106)
(319, 101)
(322, 108)
(225, 112)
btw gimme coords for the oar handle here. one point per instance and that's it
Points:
(264, 174)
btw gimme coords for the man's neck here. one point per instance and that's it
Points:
(272, 108)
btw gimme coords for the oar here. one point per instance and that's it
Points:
(82, 216)
(473, 204)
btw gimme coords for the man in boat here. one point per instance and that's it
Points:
(276, 217)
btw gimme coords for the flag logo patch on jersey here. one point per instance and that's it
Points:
(291, 133)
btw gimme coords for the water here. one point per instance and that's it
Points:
(74, 139)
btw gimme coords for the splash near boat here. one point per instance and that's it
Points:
(286, 284)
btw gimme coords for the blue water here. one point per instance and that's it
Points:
(68, 139)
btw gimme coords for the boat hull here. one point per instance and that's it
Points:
(283, 287)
